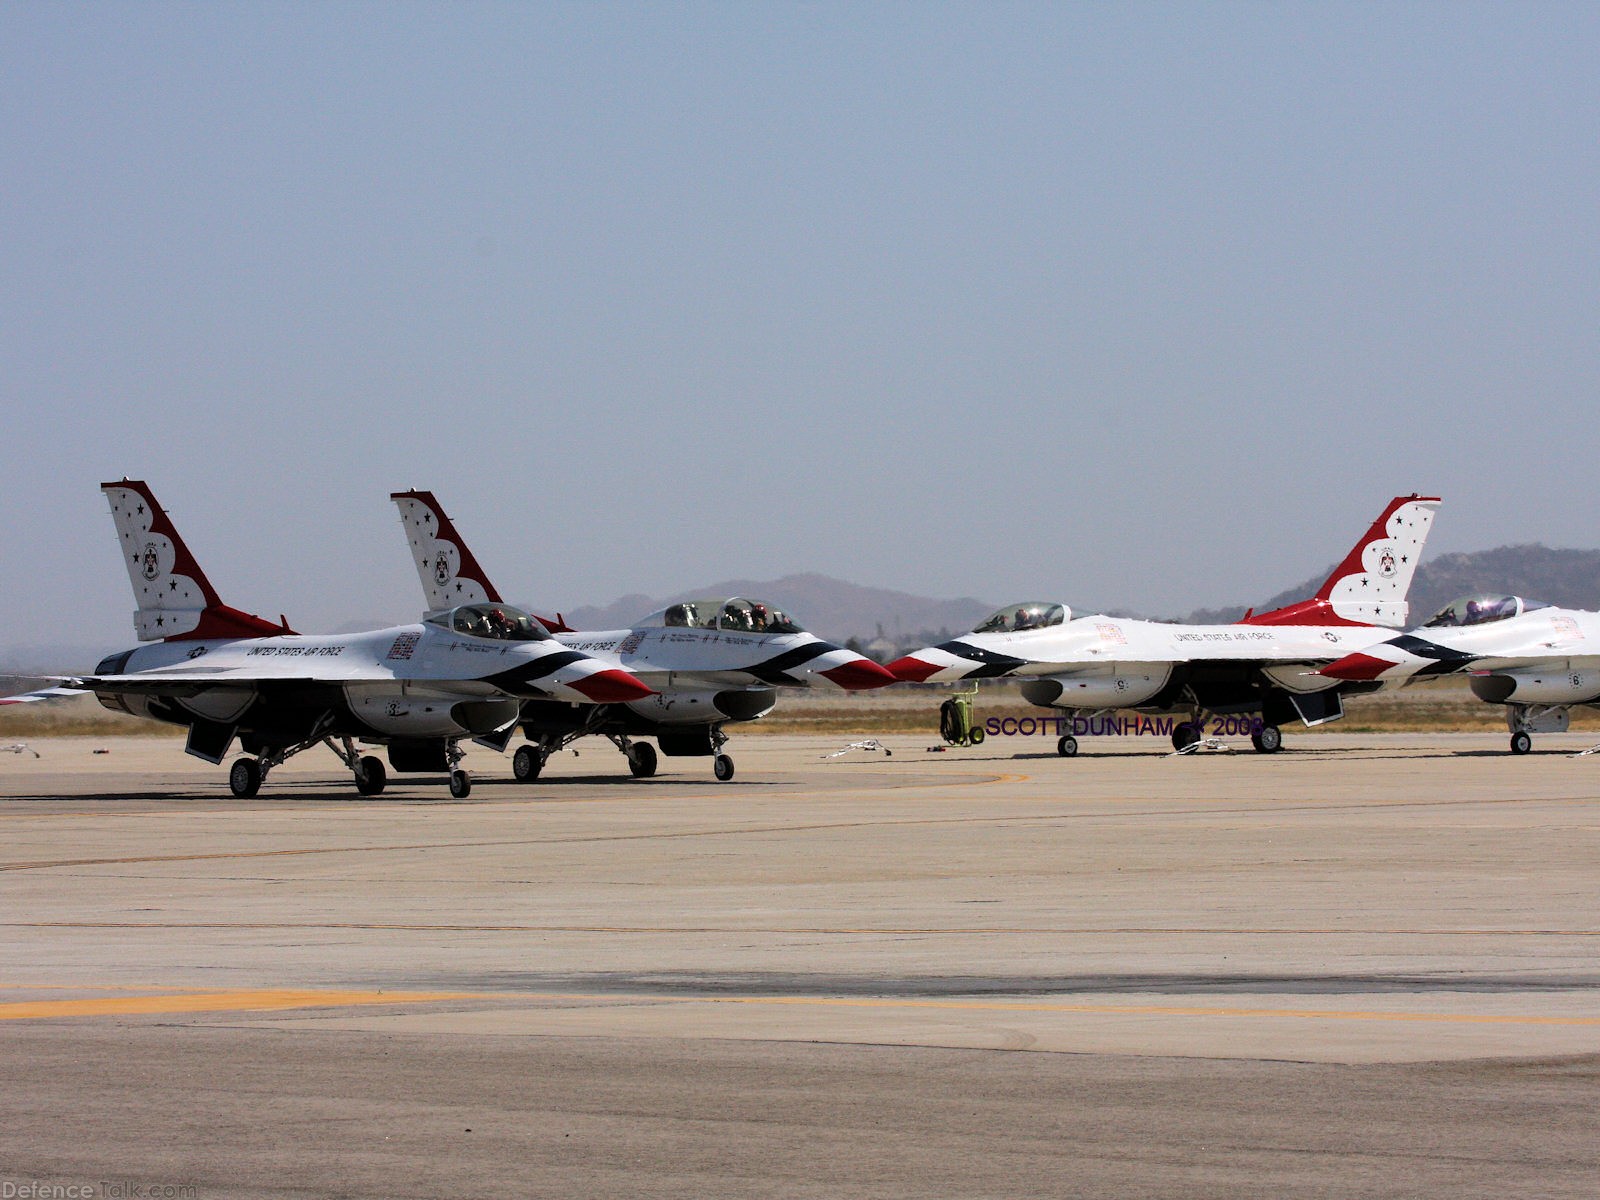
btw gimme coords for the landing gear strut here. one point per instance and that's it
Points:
(643, 758)
(460, 781)
(1525, 720)
(721, 765)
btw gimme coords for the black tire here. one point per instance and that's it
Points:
(722, 767)
(1067, 747)
(1268, 739)
(1184, 736)
(526, 763)
(460, 784)
(370, 776)
(975, 735)
(642, 760)
(1521, 742)
(244, 778)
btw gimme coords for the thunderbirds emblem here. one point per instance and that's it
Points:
(441, 569)
(1386, 564)
(152, 565)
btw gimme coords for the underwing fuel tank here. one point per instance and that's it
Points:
(1096, 691)
(1538, 687)
(709, 704)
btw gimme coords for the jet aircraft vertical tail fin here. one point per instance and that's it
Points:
(1369, 587)
(175, 600)
(449, 573)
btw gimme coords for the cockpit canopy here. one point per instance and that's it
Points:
(1033, 614)
(1480, 610)
(735, 614)
(501, 622)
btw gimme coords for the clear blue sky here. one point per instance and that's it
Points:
(1133, 305)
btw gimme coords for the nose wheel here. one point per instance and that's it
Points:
(722, 767)
(460, 784)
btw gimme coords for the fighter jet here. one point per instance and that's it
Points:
(709, 662)
(228, 675)
(1262, 664)
(1535, 659)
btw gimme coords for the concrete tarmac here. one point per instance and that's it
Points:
(1365, 966)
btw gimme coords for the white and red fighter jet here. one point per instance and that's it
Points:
(709, 661)
(227, 675)
(1537, 660)
(1263, 664)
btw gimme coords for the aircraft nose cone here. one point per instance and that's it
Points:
(611, 687)
(912, 669)
(1356, 666)
(859, 675)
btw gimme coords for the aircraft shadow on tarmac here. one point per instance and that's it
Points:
(290, 791)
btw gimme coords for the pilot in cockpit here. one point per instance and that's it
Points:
(677, 615)
(758, 617)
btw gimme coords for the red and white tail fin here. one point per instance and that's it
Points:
(1369, 587)
(176, 602)
(449, 574)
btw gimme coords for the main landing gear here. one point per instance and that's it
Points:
(247, 774)
(1188, 735)
(529, 760)
(1525, 720)
(643, 759)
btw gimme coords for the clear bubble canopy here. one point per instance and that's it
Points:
(1030, 614)
(1480, 610)
(735, 614)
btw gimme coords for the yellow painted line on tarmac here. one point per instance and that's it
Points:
(277, 1000)
(198, 1002)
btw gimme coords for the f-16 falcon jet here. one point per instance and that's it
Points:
(709, 662)
(227, 675)
(1262, 664)
(1537, 660)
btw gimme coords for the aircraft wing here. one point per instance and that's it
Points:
(34, 697)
